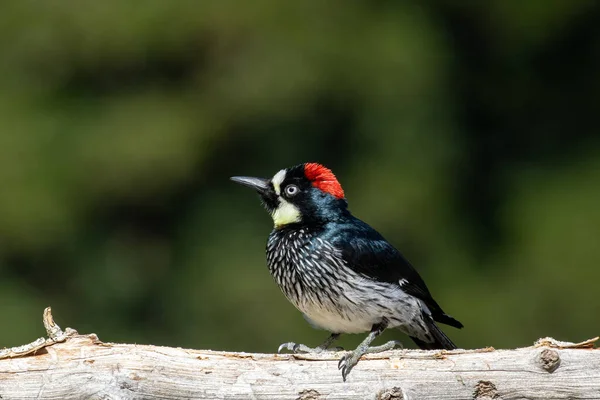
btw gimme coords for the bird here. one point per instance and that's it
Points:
(338, 271)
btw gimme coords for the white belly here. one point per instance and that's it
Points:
(363, 304)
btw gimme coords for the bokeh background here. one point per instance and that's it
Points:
(466, 132)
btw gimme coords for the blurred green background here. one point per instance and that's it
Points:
(465, 132)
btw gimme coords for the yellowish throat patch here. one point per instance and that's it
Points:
(285, 213)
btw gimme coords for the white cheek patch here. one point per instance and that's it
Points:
(286, 213)
(278, 180)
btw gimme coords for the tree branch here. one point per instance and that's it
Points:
(82, 367)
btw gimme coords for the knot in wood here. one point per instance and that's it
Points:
(549, 359)
(394, 393)
(309, 394)
(485, 390)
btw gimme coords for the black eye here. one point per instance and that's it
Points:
(291, 190)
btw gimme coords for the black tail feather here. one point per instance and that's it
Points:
(448, 320)
(441, 341)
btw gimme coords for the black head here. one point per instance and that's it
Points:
(304, 194)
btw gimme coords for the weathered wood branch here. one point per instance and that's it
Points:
(82, 367)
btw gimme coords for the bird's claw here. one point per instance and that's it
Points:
(347, 362)
(290, 346)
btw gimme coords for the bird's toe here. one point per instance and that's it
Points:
(347, 362)
(296, 348)
(286, 346)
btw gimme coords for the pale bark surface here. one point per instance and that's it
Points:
(67, 365)
(84, 368)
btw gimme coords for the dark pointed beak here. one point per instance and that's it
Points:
(261, 185)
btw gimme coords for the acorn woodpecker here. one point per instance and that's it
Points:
(341, 274)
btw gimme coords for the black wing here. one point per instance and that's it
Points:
(368, 253)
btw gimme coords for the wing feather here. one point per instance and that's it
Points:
(369, 254)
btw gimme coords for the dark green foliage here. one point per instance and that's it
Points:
(467, 135)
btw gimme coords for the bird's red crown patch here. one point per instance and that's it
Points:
(322, 178)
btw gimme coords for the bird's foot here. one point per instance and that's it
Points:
(301, 348)
(349, 360)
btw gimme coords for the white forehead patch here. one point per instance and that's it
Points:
(285, 213)
(278, 180)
